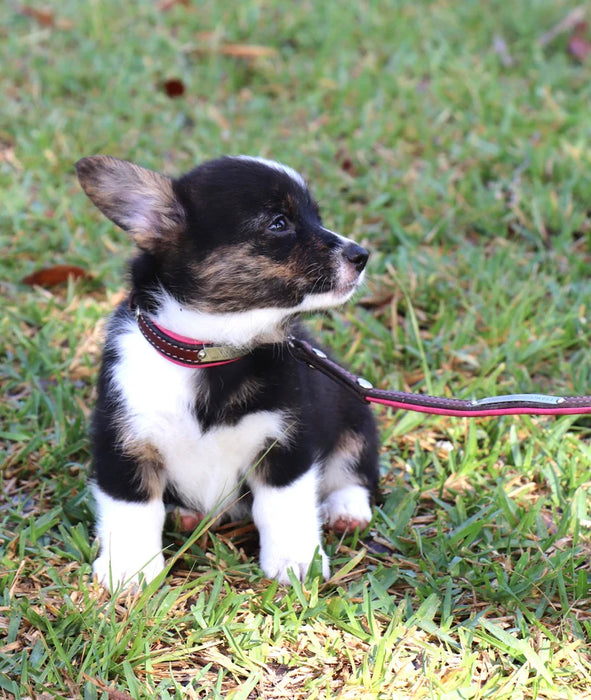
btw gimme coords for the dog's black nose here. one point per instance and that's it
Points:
(356, 254)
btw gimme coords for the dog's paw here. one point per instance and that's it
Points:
(288, 522)
(347, 509)
(113, 574)
(277, 565)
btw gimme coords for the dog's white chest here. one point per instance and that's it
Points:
(205, 468)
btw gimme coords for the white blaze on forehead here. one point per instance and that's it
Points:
(293, 174)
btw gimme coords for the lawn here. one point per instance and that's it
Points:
(453, 139)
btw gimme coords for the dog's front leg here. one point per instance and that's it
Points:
(288, 521)
(130, 537)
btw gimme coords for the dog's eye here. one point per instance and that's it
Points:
(278, 225)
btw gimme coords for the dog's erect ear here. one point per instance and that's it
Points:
(138, 200)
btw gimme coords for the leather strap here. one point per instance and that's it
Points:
(197, 353)
(508, 404)
(185, 351)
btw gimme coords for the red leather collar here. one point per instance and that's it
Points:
(184, 351)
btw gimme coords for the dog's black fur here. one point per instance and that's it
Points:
(232, 252)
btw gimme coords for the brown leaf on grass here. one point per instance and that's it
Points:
(237, 50)
(174, 87)
(52, 276)
(43, 16)
(345, 160)
(347, 166)
(246, 50)
(112, 693)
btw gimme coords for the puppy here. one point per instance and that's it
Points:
(200, 403)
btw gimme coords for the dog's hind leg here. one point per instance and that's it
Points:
(349, 477)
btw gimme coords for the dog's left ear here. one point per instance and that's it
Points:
(140, 201)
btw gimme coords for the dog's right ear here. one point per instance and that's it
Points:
(138, 200)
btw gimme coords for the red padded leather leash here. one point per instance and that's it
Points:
(508, 404)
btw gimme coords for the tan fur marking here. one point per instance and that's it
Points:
(234, 274)
(339, 468)
(241, 260)
(350, 444)
(244, 393)
(150, 473)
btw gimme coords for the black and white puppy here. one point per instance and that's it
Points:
(229, 255)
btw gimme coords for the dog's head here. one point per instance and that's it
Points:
(233, 235)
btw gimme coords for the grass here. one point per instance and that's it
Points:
(470, 181)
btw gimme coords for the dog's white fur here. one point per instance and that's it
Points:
(289, 527)
(293, 174)
(241, 329)
(205, 467)
(130, 536)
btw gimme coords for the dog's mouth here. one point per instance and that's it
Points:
(336, 294)
(349, 288)
(353, 284)
(346, 289)
(339, 286)
(348, 279)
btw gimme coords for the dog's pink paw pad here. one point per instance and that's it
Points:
(347, 509)
(342, 525)
(190, 522)
(186, 520)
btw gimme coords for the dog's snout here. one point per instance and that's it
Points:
(356, 255)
